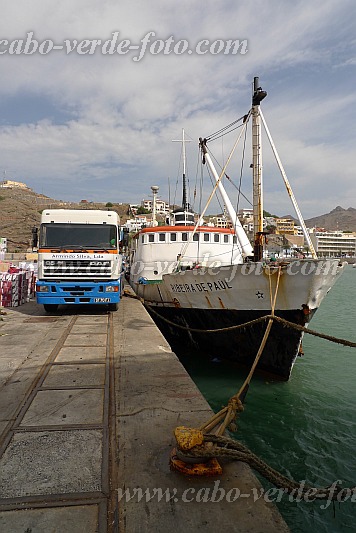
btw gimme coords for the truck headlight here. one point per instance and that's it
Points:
(112, 288)
(42, 288)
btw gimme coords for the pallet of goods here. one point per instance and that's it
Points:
(17, 285)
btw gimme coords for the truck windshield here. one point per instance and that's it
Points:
(101, 236)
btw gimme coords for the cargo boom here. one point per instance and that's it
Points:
(78, 258)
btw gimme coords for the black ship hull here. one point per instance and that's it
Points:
(237, 345)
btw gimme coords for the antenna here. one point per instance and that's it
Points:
(169, 192)
(183, 140)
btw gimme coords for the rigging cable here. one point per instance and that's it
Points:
(229, 178)
(219, 133)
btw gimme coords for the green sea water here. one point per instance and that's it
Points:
(305, 428)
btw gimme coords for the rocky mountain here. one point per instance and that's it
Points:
(338, 218)
(20, 210)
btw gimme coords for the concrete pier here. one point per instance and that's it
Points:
(88, 404)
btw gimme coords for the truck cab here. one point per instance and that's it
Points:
(78, 258)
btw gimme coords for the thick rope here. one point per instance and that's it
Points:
(315, 333)
(217, 330)
(225, 447)
(281, 320)
(235, 402)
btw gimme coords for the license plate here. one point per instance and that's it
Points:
(102, 300)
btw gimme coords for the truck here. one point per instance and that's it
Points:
(79, 261)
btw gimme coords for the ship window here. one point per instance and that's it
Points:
(234, 239)
(162, 237)
(226, 238)
(173, 237)
(184, 236)
(216, 238)
(195, 237)
(206, 237)
(151, 238)
(142, 238)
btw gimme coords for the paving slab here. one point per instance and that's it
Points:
(84, 375)
(7, 363)
(9, 337)
(86, 340)
(89, 328)
(27, 353)
(76, 353)
(92, 319)
(74, 519)
(52, 462)
(61, 407)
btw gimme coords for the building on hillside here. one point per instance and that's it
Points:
(3, 247)
(133, 209)
(9, 184)
(219, 221)
(298, 230)
(249, 228)
(162, 207)
(137, 223)
(270, 221)
(245, 213)
(133, 225)
(222, 221)
(333, 243)
(284, 226)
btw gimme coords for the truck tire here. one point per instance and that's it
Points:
(114, 307)
(50, 308)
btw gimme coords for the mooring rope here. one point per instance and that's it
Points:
(279, 319)
(227, 448)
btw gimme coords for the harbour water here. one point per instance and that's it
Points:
(305, 428)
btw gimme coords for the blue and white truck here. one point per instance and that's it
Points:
(78, 258)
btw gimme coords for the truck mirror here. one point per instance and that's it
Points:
(34, 237)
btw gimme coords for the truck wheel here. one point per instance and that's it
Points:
(114, 307)
(50, 308)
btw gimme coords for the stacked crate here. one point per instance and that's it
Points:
(6, 290)
(16, 287)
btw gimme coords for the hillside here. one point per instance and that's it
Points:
(338, 218)
(20, 210)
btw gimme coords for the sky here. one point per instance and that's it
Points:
(99, 126)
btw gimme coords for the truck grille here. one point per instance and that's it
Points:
(84, 269)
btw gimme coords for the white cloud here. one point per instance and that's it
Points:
(123, 114)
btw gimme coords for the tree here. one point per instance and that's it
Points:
(108, 204)
(143, 211)
(267, 214)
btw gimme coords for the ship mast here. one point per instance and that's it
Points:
(257, 97)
